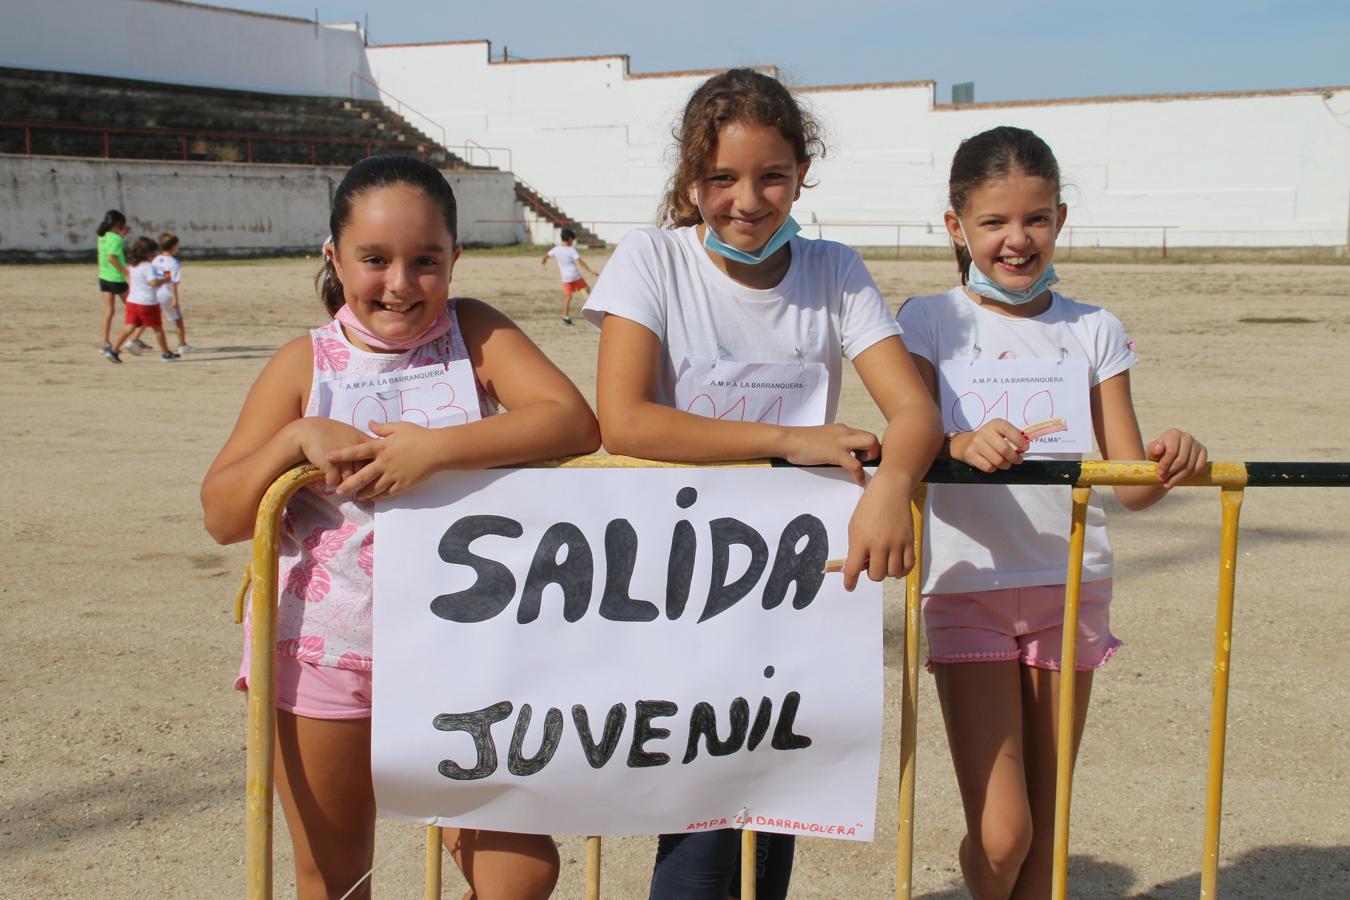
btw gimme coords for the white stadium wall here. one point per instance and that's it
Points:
(50, 206)
(1265, 168)
(185, 43)
(1261, 168)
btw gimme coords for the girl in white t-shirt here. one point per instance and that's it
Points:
(727, 285)
(998, 555)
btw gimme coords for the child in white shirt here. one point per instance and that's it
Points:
(570, 265)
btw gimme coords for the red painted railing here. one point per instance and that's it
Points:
(235, 137)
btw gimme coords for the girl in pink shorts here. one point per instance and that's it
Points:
(386, 286)
(998, 554)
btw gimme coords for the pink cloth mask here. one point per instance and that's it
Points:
(354, 328)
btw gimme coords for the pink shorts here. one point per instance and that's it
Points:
(315, 692)
(1025, 624)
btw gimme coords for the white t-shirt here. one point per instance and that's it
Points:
(985, 537)
(826, 307)
(566, 257)
(166, 264)
(140, 291)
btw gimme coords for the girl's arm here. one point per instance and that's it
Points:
(632, 424)
(269, 437)
(998, 444)
(546, 417)
(881, 532)
(119, 266)
(1179, 455)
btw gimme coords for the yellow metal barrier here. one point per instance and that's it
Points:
(1231, 478)
(909, 712)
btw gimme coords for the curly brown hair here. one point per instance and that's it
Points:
(737, 95)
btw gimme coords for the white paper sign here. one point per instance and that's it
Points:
(1022, 391)
(774, 393)
(432, 396)
(621, 651)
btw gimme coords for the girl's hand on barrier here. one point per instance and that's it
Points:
(399, 457)
(1179, 456)
(835, 444)
(318, 438)
(998, 444)
(880, 532)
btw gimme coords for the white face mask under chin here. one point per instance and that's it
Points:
(980, 283)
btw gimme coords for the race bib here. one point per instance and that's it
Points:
(1025, 392)
(432, 396)
(775, 393)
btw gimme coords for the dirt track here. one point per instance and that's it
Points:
(121, 764)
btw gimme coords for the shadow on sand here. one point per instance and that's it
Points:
(1266, 873)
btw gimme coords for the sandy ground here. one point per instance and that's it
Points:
(122, 755)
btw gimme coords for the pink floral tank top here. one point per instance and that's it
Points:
(328, 544)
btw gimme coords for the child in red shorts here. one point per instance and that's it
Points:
(142, 304)
(570, 265)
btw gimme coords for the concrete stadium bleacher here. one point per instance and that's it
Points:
(49, 113)
(67, 114)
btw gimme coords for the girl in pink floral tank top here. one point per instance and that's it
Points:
(327, 542)
(386, 282)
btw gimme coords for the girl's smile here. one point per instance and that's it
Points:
(395, 262)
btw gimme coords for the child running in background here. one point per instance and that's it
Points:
(170, 300)
(570, 265)
(729, 284)
(386, 282)
(998, 555)
(112, 271)
(142, 303)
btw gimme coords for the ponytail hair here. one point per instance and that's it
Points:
(989, 156)
(327, 283)
(369, 174)
(113, 218)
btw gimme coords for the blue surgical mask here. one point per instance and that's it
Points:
(979, 283)
(785, 233)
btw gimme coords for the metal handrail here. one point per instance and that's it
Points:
(248, 138)
(351, 86)
(470, 145)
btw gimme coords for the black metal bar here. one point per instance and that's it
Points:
(1298, 474)
(1033, 471)
(1043, 471)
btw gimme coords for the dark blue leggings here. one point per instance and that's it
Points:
(707, 866)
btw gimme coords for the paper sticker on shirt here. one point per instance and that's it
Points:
(1047, 398)
(774, 393)
(432, 396)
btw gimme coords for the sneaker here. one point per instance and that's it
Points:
(112, 355)
(141, 345)
(567, 320)
(186, 348)
(134, 347)
(167, 357)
